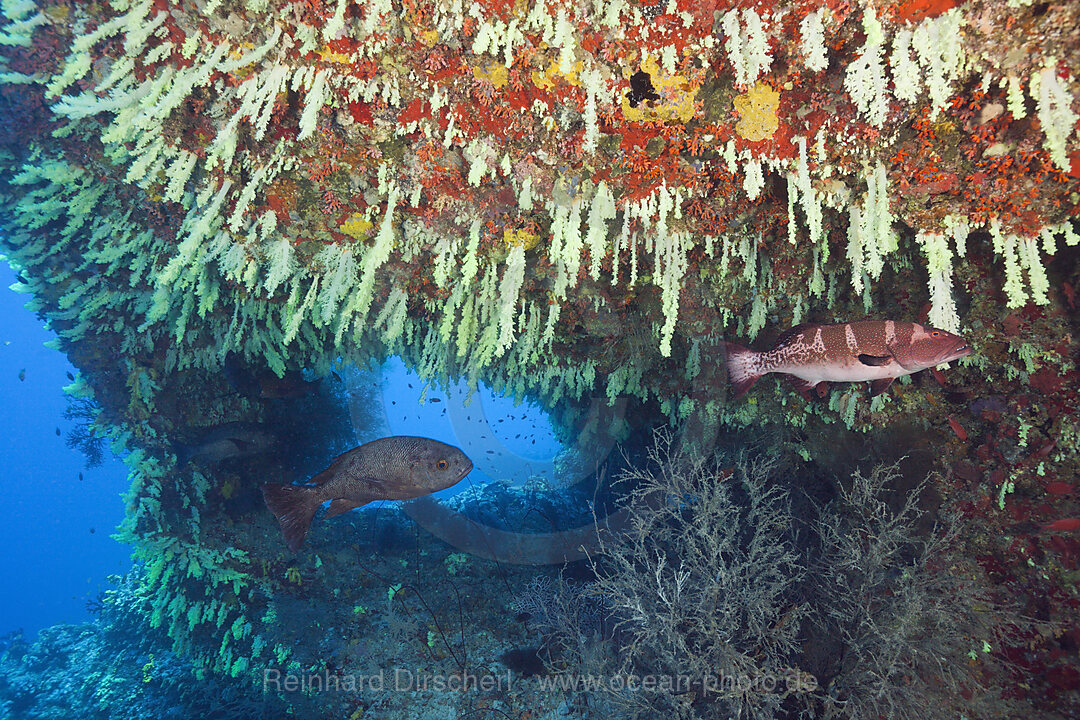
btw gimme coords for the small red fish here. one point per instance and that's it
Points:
(1070, 294)
(1044, 451)
(1060, 488)
(1063, 525)
(958, 429)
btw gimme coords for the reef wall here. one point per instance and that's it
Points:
(534, 189)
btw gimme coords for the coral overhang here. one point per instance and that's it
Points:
(355, 169)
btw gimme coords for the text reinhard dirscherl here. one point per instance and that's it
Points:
(405, 680)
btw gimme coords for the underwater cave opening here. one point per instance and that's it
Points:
(514, 444)
(528, 473)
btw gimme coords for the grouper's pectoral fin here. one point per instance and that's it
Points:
(342, 506)
(875, 360)
(373, 489)
(805, 387)
(880, 385)
(902, 356)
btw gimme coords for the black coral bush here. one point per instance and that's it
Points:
(720, 603)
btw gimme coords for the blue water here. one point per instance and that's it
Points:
(53, 562)
(507, 443)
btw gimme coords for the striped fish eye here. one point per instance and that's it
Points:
(442, 464)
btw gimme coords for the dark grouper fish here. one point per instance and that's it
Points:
(229, 441)
(876, 350)
(391, 468)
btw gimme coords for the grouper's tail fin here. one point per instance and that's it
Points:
(294, 506)
(742, 368)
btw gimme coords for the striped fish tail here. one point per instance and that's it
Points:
(743, 367)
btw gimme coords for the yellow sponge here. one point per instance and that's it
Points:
(757, 108)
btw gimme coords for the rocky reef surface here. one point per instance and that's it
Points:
(217, 204)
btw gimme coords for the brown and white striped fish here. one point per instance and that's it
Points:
(876, 350)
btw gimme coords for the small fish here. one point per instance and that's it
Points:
(57, 432)
(1060, 488)
(958, 429)
(436, 399)
(80, 477)
(1063, 525)
(22, 375)
(391, 468)
(228, 441)
(876, 350)
(70, 377)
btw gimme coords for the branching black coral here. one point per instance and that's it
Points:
(82, 436)
(701, 585)
(717, 603)
(916, 627)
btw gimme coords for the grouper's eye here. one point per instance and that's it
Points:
(936, 334)
(442, 464)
